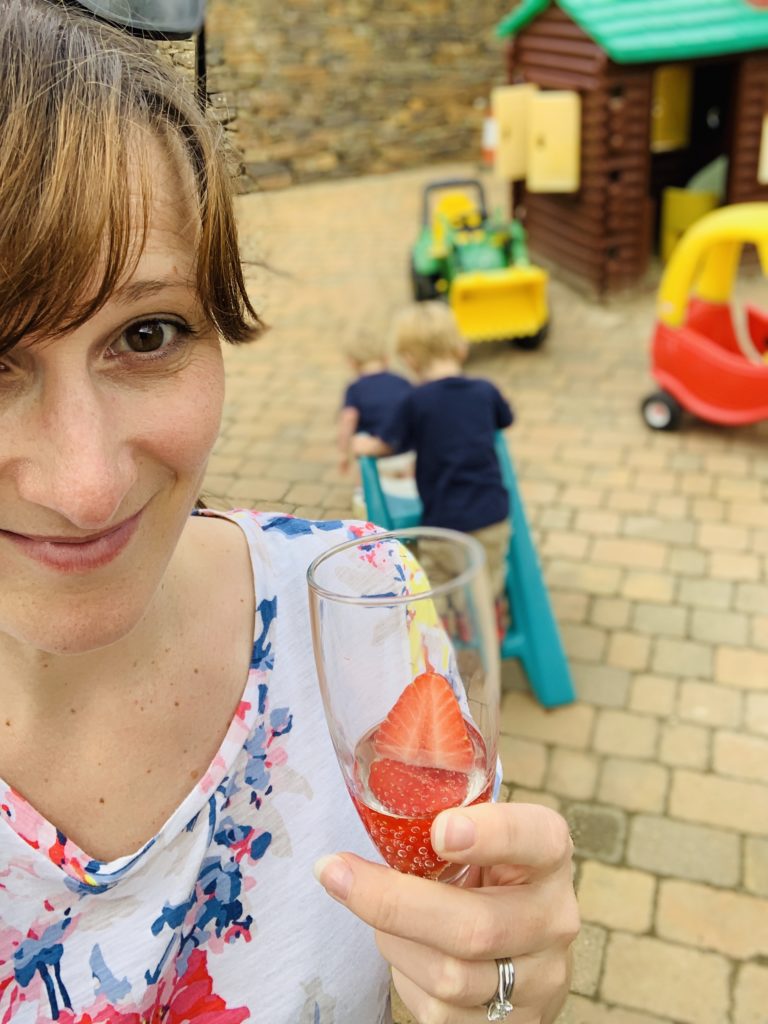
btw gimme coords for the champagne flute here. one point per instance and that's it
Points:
(408, 662)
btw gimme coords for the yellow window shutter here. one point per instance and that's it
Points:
(554, 142)
(510, 109)
(671, 107)
(762, 164)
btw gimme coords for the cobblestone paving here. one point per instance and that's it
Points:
(655, 549)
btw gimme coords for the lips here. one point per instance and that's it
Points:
(76, 554)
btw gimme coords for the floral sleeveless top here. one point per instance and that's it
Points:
(218, 918)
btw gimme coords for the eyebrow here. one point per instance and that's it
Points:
(135, 290)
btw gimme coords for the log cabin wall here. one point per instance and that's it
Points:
(629, 214)
(602, 234)
(750, 106)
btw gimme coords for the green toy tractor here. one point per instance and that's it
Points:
(479, 264)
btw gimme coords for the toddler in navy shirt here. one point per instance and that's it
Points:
(371, 398)
(450, 421)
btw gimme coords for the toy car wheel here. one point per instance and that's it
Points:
(661, 411)
(424, 286)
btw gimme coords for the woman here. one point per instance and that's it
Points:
(166, 777)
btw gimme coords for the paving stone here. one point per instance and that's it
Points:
(742, 667)
(578, 1010)
(670, 980)
(524, 762)
(656, 527)
(583, 642)
(598, 832)
(653, 587)
(751, 597)
(755, 713)
(633, 785)
(733, 566)
(569, 726)
(625, 734)
(563, 543)
(756, 865)
(598, 522)
(521, 795)
(610, 612)
(707, 918)
(725, 803)
(675, 848)
(715, 594)
(682, 658)
(618, 898)
(627, 650)
(758, 631)
(660, 620)
(583, 577)
(588, 952)
(572, 774)
(684, 745)
(719, 627)
(685, 561)
(707, 510)
(751, 995)
(603, 685)
(569, 606)
(655, 695)
(709, 704)
(630, 554)
(744, 757)
(723, 536)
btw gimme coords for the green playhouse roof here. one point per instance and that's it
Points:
(635, 31)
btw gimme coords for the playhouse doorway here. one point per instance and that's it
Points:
(691, 138)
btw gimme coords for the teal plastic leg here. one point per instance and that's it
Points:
(390, 512)
(533, 637)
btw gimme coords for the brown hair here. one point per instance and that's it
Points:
(76, 97)
(424, 332)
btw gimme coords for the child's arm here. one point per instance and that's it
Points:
(349, 417)
(366, 445)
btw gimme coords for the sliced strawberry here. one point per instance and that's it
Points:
(416, 792)
(426, 728)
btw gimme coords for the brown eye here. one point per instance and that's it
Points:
(149, 336)
(151, 339)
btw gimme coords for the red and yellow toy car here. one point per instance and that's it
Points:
(697, 358)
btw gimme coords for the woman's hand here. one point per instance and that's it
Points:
(442, 941)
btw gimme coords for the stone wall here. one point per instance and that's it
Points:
(316, 89)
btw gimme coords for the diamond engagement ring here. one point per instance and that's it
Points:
(500, 1007)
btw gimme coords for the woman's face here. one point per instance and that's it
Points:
(104, 437)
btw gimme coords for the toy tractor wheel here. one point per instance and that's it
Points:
(531, 341)
(424, 285)
(661, 411)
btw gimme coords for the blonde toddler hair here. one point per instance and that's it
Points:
(425, 332)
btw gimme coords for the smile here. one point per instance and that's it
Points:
(76, 554)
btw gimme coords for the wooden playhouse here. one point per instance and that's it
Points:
(619, 106)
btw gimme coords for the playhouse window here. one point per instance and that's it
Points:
(671, 108)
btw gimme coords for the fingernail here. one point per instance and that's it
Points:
(334, 875)
(454, 832)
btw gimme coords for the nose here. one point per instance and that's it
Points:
(79, 462)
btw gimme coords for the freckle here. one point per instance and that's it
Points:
(73, 711)
(149, 771)
(8, 721)
(141, 707)
(135, 664)
(102, 800)
(175, 703)
(45, 664)
(193, 775)
(167, 650)
(197, 671)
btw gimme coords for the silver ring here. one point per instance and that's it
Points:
(500, 1007)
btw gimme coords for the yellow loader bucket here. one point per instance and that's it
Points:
(491, 305)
